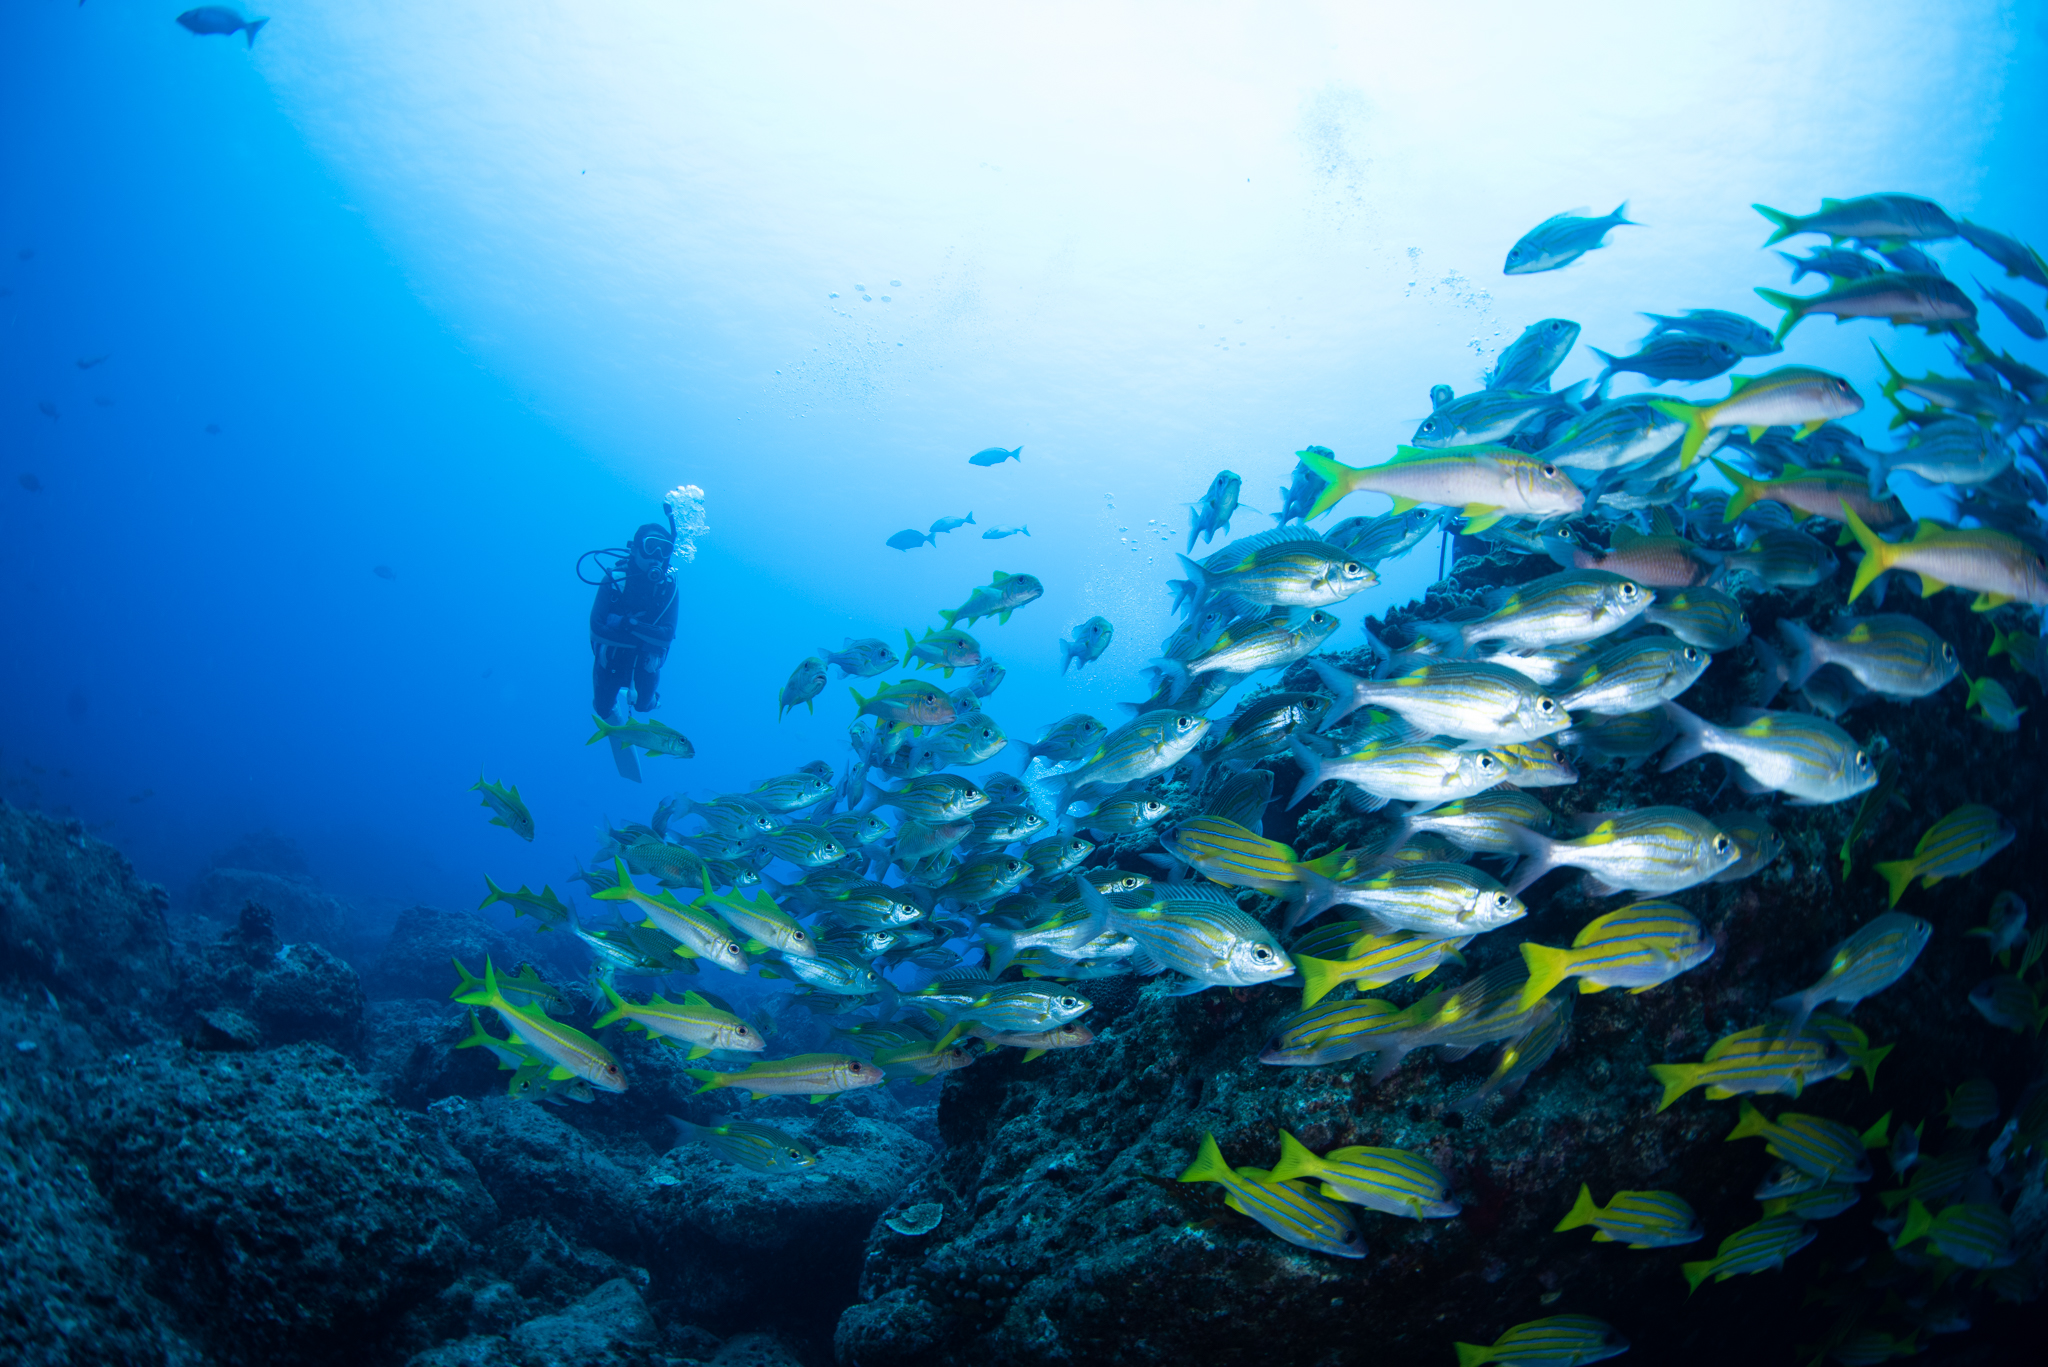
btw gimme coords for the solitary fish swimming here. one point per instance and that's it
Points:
(1562, 239)
(220, 21)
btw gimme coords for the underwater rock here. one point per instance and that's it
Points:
(409, 1050)
(288, 993)
(533, 1163)
(610, 1327)
(302, 910)
(284, 1203)
(75, 919)
(414, 961)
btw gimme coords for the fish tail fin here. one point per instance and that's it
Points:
(618, 1005)
(1582, 1212)
(705, 1078)
(1547, 968)
(1337, 479)
(1198, 584)
(498, 894)
(1878, 554)
(1296, 1160)
(1606, 360)
(604, 728)
(477, 1037)
(1319, 978)
(1918, 1222)
(1692, 738)
(1747, 490)
(1695, 1273)
(1621, 218)
(1750, 1122)
(467, 984)
(1002, 948)
(1791, 303)
(1804, 641)
(251, 29)
(1894, 378)
(1695, 419)
(1798, 1007)
(1678, 1079)
(1472, 1354)
(1784, 225)
(1208, 1165)
(1897, 875)
(1538, 856)
(1311, 771)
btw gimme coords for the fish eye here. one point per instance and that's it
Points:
(1862, 760)
(1262, 954)
(1722, 844)
(1501, 899)
(793, 1154)
(1549, 470)
(1690, 654)
(1948, 652)
(1353, 567)
(1628, 589)
(1545, 706)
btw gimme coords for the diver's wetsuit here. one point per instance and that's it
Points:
(632, 623)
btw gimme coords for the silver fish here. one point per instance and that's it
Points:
(1651, 850)
(1809, 759)
(1470, 700)
(1636, 675)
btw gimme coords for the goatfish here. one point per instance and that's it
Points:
(693, 1021)
(758, 917)
(1638, 947)
(1753, 1248)
(1288, 1209)
(1420, 773)
(1395, 1181)
(1888, 653)
(744, 1144)
(656, 738)
(998, 598)
(1959, 843)
(567, 1051)
(1486, 482)
(1872, 218)
(816, 1076)
(1563, 1340)
(699, 934)
(1765, 1058)
(1639, 1219)
(508, 811)
(543, 906)
(524, 988)
(1464, 699)
(1819, 1147)
(1866, 963)
(2000, 567)
(1560, 609)
(1809, 759)
(1654, 850)
(1931, 301)
(1811, 493)
(1371, 961)
(1790, 396)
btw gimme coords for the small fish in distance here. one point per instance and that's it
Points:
(996, 455)
(1562, 239)
(998, 533)
(220, 21)
(1211, 513)
(910, 538)
(1090, 639)
(947, 524)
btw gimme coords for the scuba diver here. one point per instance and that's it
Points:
(632, 624)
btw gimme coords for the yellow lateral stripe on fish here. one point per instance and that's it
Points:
(568, 1051)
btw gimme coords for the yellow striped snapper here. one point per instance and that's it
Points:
(975, 740)
(1563, 1340)
(1757, 843)
(922, 1061)
(1865, 964)
(1274, 642)
(816, 1076)
(1560, 609)
(1225, 852)
(1196, 930)
(985, 880)
(2004, 928)
(1395, 1181)
(1123, 813)
(1420, 773)
(1332, 1031)
(1785, 558)
(1440, 900)
(1630, 737)
(1481, 1010)
(1958, 450)
(1822, 1202)
(802, 843)
(1468, 699)
(790, 792)
(1543, 1031)
(1372, 961)
(1619, 433)
(1386, 537)
(1001, 1006)
(1817, 1146)
(1790, 396)
(1535, 764)
(1753, 1248)
(1638, 947)
(1486, 482)
(1639, 1219)
(1809, 759)
(1652, 850)
(1492, 415)
(1703, 617)
(1263, 726)
(1077, 736)
(1544, 668)
(1959, 843)
(1478, 823)
(933, 799)
(1009, 824)
(693, 1021)
(1765, 1058)
(901, 704)
(1059, 855)
(1634, 676)
(1888, 653)
(699, 934)
(567, 1051)
(1998, 566)
(1148, 744)
(1287, 567)
(744, 1144)
(1973, 1234)
(1849, 1037)
(1288, 1209)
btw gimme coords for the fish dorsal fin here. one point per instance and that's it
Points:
(1736, 382)
(1258, 541)
(1827, 204)
(1198, 892)
(1000, 577)
(1624, 535)
(1662, 523)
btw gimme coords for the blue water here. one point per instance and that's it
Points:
(462, 292)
